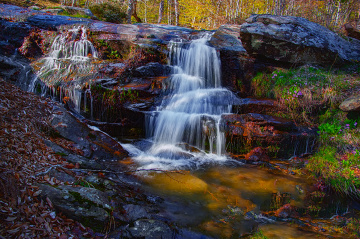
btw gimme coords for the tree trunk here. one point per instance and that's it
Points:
(176, 2)
(129, 11)
(134, 12)
(161, 11)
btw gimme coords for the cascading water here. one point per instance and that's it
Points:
(69, 61)
(190, 112)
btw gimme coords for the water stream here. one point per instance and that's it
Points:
(69, 63)
(190, 111)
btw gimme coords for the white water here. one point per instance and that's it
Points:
(190, 112)
(69, 61)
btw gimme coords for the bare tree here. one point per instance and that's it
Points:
(161, 11)
(176, 4)
(131, 11)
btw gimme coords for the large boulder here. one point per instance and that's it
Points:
(352, 31)
(351, 104)
(89, 206)
(237, 66)
(295, 40)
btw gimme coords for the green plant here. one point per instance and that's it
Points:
(337, 169)
(66, 13)
(330, 128)
(109, 12)
(258, 235)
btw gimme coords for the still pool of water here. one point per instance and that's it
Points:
(218, 201)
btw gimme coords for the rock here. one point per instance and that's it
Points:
(237, 72)
(352, 31)
(287, 211)
(257, 119)
(12, 36)
(351, 104)
(62, 176)
(52, 22)
(261, 106)
(34, 8)
(135, 212)
(149, 229)
(295, 40)
(152, 69)
(86, 205)
(32, 45)
(53, 11)
(89, 142)
(80, 11)
(257, 154)
(279, 136)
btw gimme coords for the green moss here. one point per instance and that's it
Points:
(258, 235)
(337, 169)
(66, 13)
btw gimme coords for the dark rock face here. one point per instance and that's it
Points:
(237, 66)
(12, 36)
(86, 205)
(280, 137)
(152, 69)
(351, 104)
(295, 40)
(250, 105)
(88, 142)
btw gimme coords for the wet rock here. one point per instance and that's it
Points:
(278, 136)
(12, 36)
(91, 142)
(237, 72)
(107, 83)
(52, 22)
(152, 69)
(351, 104)
(259, 120)
(148, 229)
(135, 212)
(86, 205)
(286, 211)
(261, 106)
(186, 234)
(32, 45)
(257, 154)
(295, 40)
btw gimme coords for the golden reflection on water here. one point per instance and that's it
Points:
(285, 231)
(220, 188)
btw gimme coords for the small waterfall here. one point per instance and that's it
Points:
(190, 112)
(69, 62)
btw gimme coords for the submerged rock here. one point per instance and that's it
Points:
(295, 40)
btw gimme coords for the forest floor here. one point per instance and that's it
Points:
(23, 158)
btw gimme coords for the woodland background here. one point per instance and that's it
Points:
(210, 14)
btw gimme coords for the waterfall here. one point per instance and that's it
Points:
(190, 112)
(69, 62)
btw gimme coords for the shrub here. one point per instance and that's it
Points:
(109, 12)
